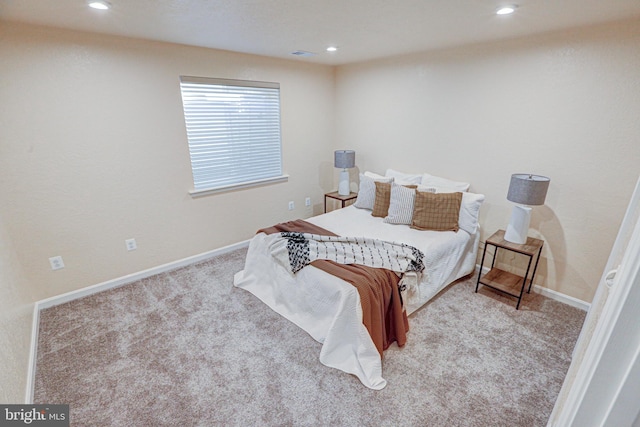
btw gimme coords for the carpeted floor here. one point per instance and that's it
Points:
(186, 348)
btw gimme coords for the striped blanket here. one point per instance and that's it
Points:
(296, 250)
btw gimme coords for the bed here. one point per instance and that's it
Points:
(328, 308)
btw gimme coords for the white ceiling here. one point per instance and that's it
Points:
(362, 29)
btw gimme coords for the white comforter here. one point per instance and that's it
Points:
(329, 309)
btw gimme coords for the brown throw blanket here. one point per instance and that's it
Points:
(382, 311)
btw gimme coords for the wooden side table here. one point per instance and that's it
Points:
(503, 281)
(343, 199)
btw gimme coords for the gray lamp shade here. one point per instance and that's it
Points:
(528, 189)
(344, 159)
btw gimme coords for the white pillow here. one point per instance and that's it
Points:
(427, 189)
(367, 191)
(404, 178)
(469, 211)
(444, 185)
(374, 175)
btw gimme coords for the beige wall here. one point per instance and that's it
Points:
(564, 105)
(94, 152)
(16, 311)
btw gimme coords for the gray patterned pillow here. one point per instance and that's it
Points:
(400, 205)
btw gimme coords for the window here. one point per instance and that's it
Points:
(233, 129)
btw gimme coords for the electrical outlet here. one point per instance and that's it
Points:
(56, 262)
(131, 244)
(291, 205)
(307, 201)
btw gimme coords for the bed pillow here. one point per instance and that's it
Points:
(367, 191)
(404, 178)
(444, 185)
(383, 197)
(427, 189)
(381, 203)
(401, 203)
(436, 211)
(469, 211)
(374, 176)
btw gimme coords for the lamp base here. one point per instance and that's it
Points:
(518, 225)
(343, 185)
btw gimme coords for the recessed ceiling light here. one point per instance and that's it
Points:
(99, 4)
(506, 10)
(332, 49)
(303, 53)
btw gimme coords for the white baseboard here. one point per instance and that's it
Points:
(566, 299)
(110, 284)
(554, 295)
(31, 369)
(114, 283)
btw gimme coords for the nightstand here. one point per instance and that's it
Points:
(503, 281)
(336, 196)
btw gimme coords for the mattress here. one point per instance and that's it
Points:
(329, 309)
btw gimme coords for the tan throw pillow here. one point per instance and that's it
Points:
(436, 211)
(383, 196)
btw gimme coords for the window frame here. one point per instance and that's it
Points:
(218, 85)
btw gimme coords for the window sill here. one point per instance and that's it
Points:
(234, 187)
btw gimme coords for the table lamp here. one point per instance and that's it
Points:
(344, 159)
(524, 189)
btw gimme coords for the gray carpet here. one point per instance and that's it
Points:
(186, 348)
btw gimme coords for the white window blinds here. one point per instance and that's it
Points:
(233, 129)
